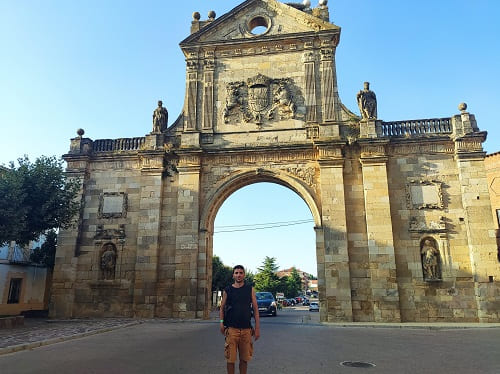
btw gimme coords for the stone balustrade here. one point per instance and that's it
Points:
(434, 126)
(122, 144)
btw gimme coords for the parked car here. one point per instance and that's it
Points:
(314, 307)
(266, 303)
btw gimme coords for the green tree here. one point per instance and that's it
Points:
(221, 274)
(266, 278)
(46, 254)
(250, 277)
(35, 198)
(294, 283)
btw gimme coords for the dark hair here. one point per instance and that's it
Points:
(238, 267)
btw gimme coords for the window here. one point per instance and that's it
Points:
(14, 290)
(498, 217)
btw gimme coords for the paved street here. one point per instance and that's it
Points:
(292, 342)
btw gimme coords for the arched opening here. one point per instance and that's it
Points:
(257, 215)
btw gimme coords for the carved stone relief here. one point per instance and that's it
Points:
(424, 194)
(420, 225)
(117, 234)
(306, 174)
(113, 205)
(259, 99)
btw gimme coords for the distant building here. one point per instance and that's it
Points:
(24, 286)
(303, 276)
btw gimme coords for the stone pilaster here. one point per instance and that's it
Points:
(333, 259)
(310, 90)
(329, 89)
(148, 230)
(382, 261)
(68, 241)
(186, 290)
(478, 220)
(191, 117)
(208, 91)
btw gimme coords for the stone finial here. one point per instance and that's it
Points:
(211, 15)
(196, 16)
(462, 107)
(80, 132)
(323, 2)
(307, 3)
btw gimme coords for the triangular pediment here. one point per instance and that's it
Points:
(276, 19)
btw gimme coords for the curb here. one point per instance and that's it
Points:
(425, 326)
(41, 343)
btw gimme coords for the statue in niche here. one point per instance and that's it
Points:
(160, 118)
(108, 262)
(430, 261)
(233, 99)
(367, 102)
(283, 101)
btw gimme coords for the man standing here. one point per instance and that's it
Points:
(235, 320)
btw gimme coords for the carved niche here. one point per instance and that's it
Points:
(259, 99)
(108, 261)
(424, 194)
(431, 260)
(113, 205)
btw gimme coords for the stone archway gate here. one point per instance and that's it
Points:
(265, 107)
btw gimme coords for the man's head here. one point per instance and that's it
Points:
(239, 273)
(367, 85)
(160, 103)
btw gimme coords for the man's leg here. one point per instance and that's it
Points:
(243, 367)
(230, 368)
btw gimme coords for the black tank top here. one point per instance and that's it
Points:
(239, 300)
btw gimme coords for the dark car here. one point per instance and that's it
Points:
(266, 303)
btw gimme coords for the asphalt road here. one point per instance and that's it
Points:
(292, 342)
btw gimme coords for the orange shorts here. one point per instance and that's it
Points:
(238, 340)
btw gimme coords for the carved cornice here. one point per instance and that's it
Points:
(373, 151)
(330, 153)
(253, 158)
(152, 161)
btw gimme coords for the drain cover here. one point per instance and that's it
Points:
(357, 364)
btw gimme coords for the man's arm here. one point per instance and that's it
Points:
(256, 316)
(221, 311)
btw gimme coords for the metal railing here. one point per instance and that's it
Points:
(434, 126)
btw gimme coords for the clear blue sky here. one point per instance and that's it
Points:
(102, 66)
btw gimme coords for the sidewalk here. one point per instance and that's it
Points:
(37, 332)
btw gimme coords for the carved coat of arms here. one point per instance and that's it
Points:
(258, 99)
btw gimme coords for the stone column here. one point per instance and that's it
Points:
(333, 257)
(187, 238)
(479, 225)
(382, 261)
(148, 231)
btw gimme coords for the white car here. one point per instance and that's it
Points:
(314, 307)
